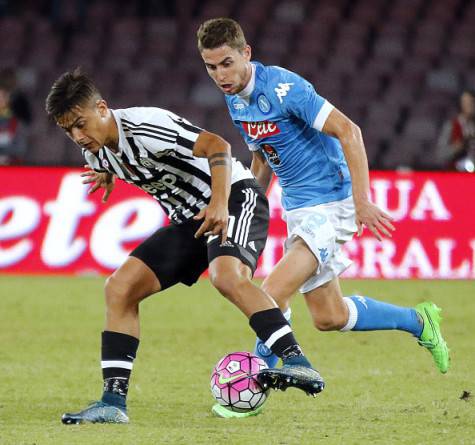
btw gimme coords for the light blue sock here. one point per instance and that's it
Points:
(366, 314)
(262, 351)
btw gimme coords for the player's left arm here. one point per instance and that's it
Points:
(304, 102)
(351, 139)
(97, 176)
(218, 152)
(192, 141)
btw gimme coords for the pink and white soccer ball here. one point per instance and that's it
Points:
(234, 384)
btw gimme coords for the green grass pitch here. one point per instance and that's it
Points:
(382, 388)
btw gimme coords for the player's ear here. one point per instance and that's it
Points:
(247, 52)
(101, 105)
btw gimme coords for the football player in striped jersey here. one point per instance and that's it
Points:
(219, 219)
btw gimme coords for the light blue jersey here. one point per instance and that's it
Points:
(283, 117)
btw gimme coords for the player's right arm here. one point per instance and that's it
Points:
(172, 132)
(261, 170)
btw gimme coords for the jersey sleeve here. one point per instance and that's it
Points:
(162, 130)
(300, 99)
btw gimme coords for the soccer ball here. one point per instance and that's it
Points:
(234, 384)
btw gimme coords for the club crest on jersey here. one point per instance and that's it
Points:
(105, 163)
(259, 130)
(263, 104)
(271, 154)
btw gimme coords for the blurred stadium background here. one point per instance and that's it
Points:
(396, 67)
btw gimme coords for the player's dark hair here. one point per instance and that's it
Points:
(71, 89)
(221, 31)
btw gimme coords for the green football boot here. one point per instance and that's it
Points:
(431, 337)
(220, 411)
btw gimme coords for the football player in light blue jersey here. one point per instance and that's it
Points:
(318, 156)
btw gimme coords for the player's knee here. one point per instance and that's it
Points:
(329, 321)
(117, 293)
(228, 284)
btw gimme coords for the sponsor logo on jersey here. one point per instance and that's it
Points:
(152, 163)
(282, 89)
(263, 104)
(271, 154)
(239, 106)
(105, 163)
(259, 130)
(148, 163)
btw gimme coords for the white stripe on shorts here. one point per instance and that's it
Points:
(278, 334)
(242, 229)
(248, 219)
(116, 364)
(241, 216)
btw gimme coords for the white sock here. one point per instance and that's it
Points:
(352, 315)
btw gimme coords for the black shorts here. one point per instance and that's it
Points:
(175, 256)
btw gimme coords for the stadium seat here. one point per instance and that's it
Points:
(401, 153)
(387, 64)
(421, 129)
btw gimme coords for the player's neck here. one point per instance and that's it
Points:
(249, 83)
(112, 140)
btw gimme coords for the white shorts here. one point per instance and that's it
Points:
(324, 228)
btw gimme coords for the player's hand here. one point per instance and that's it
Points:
(371, 216)
(215, 221)
(100, 180)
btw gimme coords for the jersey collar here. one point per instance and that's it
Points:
(122, 139)
(245, 94)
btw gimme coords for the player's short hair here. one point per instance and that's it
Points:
(71, 89)
(221, 31)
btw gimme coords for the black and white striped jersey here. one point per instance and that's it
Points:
(156, 154)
